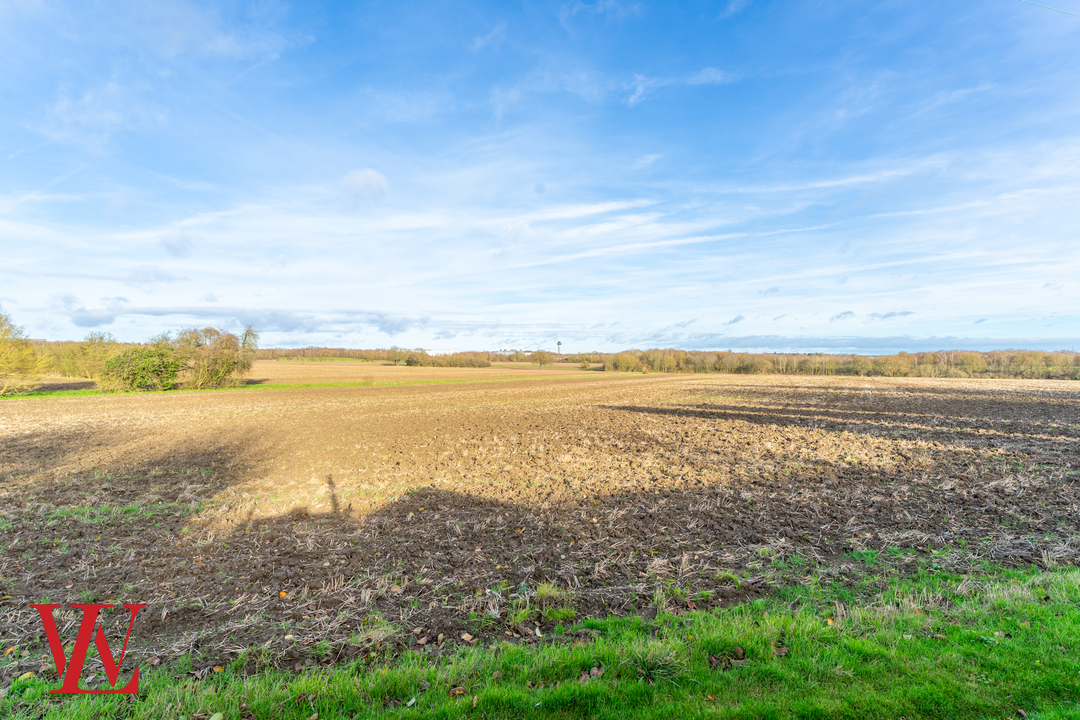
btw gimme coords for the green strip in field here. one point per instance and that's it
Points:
(932, 646)
(55, 393)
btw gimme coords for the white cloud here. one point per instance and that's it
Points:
(83, 317)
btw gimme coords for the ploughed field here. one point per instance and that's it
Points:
(329, 523)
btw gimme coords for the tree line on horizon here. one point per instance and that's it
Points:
(212, 357)
(1031, 364)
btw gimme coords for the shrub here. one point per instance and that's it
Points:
(153, 367)
(215, 358)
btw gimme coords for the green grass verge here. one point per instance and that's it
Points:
(56, 393)
(928, 646)
(292, 386)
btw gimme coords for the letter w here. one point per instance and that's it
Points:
(74, 665)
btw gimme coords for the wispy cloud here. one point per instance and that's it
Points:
(39, 193)
(890, 315)
(609, 8)
(178, 244)
(177, 28)
(411, 106)
(647, 160)
(491, 39)
(841, 182)
(92, 117)
(643, 86)
(948, 97)
(733, 7)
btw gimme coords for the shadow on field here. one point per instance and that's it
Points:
(933, 388)
(959, 427)
(57, 385)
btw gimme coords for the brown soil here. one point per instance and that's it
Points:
(322, 371)
(289, 517)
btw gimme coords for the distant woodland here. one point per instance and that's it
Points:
(1064, 365)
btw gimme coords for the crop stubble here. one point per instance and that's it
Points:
(444, 507)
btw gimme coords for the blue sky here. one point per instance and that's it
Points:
(740, 174)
